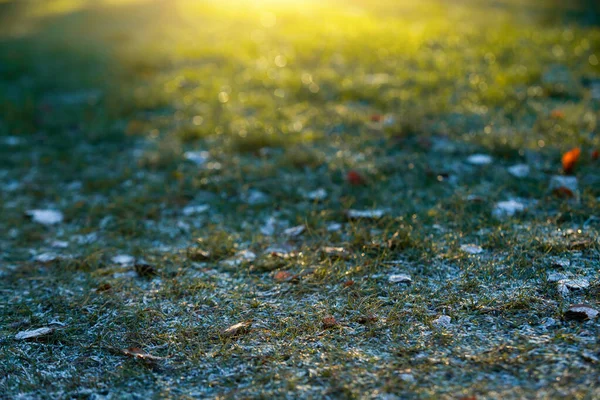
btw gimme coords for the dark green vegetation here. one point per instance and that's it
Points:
(100, 101)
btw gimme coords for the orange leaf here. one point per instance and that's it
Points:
(569, 159)
(557, 114)
(595, 155)
(376, 118)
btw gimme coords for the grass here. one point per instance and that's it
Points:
(100, 101)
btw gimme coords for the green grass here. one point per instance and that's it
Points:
(100, 101)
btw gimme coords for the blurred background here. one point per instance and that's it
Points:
(266, 68)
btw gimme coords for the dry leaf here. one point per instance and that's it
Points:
(581, 312)
(595, 155)
(348, 283)
(569, 159)
(335, 252)
(557, 114)
(367, 319)
(145, 270)
(138, 353)
(329, 322)
(237, 329)
(283, 276)
(103, 287)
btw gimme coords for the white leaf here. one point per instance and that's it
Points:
(316, 195)
(370, 214)
(35, 333)
(123, 259)
(443, 321)
(198, 209)
(479, 159)
(196, 157)
(295, 231)
(45, 217)
(471, 248)
(519, 170)
(400, 278)
(507, 208)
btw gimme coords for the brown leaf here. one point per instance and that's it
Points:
(138, 353)
(563, 192)
(237, 329)
(329, 322)
(283, 276)
(348, 283)
(103, 287)
(366, 319)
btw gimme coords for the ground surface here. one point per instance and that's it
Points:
(190, 136)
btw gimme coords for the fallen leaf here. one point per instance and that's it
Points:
(283, 276)
(519, 170)
(240, 258)
(479, 159)
(334, 227)
(471, 248)
(400, 278)
(237, 329)
(197, 209)
(564, 186)
(103, 287)
(255, 197)
(581, 312)
(59, 244)
(366, 319)
(354, 178)
(443, 321)
(348, 283)
(294, 231)
(144, 270)
(46, 257)
(595, 155)
(123, 259)
(34, 334)
(335, 252)
(569, 159)
(376, 118)
(45, 217)
(316, 195)
(138, 353)
(329, 322)
(565, 286)
(557, 114)
(196, 157)
(507, 208)
(367, 214)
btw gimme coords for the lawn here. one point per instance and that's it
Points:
(299, 199)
